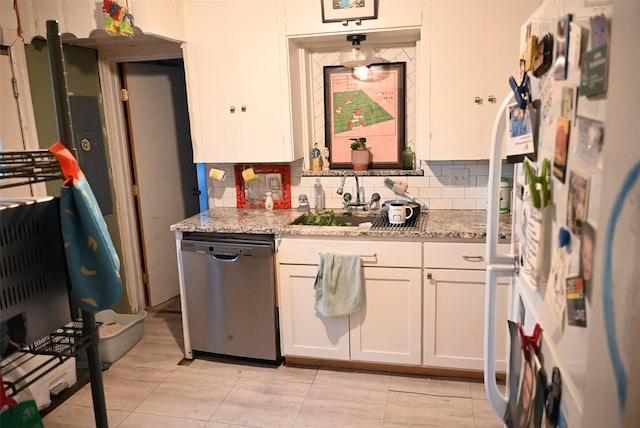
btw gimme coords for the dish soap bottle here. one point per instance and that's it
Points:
(319, 195)
(268, 202)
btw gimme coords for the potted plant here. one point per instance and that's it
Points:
(360, 154)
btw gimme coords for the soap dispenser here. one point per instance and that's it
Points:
(268, 202)
(319, 195)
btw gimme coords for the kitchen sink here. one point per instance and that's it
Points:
(377, 219)
(328, 218)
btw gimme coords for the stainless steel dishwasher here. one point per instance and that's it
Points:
(230, 294)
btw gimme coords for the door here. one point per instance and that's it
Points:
(454, 319)
(304, 332)
(389, 328)
(163, 171)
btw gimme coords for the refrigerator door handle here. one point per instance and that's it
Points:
(493, 188)
(497, 400)
(497, 265)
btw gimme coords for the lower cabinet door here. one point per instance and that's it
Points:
(303, 331)
(454, 319)
(388, 329)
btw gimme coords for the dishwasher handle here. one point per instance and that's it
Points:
(224, 257)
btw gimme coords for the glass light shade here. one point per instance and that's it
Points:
(357, 56)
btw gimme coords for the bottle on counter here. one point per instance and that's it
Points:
(408, 159)
(505, 195)
(318, 195)
(268, 202)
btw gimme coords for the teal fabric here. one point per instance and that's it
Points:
(92, 262)
(338, 285)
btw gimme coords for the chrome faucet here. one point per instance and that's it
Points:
(344, 178)
(347, 196)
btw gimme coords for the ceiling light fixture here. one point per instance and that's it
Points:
(357, 56)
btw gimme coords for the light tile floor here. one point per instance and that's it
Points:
(148, 387)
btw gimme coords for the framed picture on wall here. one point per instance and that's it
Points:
(365, 102)
(348, 10)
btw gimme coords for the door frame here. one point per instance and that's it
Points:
(116, 127)
(18, 60)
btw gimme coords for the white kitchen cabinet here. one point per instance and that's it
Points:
(305, 17)
(474, 49)
(237, 82)
(303, 331)
(163, 18)
(387, 330)
(78, 17)
(454, 287)
(81, 17)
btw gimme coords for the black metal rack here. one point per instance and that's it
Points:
(61, 345)
(28, 167)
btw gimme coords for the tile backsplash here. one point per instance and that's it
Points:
(434, 188)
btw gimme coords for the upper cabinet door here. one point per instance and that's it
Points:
(78, 17)
(237, 91)
(501, 57)
(305, 17)
(457, 58)
(164, 19)
(474, 49)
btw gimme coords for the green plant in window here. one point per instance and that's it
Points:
(359, 143)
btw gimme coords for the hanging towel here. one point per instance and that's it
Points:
(92, 262)
(338, 285)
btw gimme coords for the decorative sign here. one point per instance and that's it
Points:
(593, 79)
(369, 105)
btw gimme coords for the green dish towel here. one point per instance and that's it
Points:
(338, 285)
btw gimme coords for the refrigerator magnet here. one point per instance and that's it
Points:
(576, 307)
(577, 202)
(562, 48)
(561, 150)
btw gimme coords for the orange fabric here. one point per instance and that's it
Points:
(68, 163)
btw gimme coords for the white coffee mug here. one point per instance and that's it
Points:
(399, 213)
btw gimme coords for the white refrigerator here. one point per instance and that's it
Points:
(589, 319)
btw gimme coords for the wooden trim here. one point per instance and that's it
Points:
(390, 368)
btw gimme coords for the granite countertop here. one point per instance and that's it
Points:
(433, 224)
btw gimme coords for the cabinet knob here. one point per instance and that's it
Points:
(491, 99)
(345, 23)
(429, 276)
(232, 109)
(358, 22)
(478, 100)
(244, 109)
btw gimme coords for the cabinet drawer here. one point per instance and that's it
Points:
(457, 255)
(373, 253)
